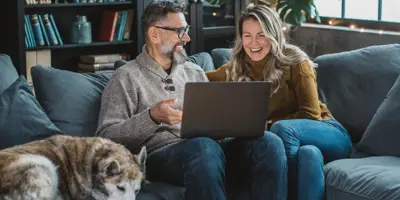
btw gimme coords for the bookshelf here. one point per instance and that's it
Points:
(212, 26)
(66, 56)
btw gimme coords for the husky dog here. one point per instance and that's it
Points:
(71, 168)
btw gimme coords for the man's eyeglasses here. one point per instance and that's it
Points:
(181, 31)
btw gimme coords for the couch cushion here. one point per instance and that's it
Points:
(202, 59)
(363, 179)
(353, 84)
(71, 100)
(221, 56)
(383, 133)
(22, 119)
(8, 73)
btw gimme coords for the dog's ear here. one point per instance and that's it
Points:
(112, 168)
(142, 157)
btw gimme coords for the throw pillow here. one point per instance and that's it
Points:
(354, 83)
(22, 119)
(8, 73)
(71, 100)
(382, 135)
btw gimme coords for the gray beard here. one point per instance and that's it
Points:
(178, 57)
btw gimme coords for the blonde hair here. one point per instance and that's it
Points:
(281, 56)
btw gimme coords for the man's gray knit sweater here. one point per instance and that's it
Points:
(133, 89)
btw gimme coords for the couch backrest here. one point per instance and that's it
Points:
(353, 84)
(203, 60)
(221, 56)
(72, 100)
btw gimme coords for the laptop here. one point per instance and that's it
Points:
(225, 109)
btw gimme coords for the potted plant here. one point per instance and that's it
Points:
(294, 12)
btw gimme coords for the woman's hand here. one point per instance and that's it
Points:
(267, 124)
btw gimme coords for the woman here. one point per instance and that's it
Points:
(309, 132)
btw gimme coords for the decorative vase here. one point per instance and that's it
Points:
(81, 31)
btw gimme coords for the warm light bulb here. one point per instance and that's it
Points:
(380, 32)
(362, 30)
(214, 14)
(352, 26)
(330, 22)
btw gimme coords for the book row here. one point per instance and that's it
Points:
(41, 30)
(33, 2)
(116, 25)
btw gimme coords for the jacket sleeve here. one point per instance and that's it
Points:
(119, 119)
(218, 75)
(305, 86)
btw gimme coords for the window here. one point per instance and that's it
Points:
(329, 8)
(361, 9)
(390, 10)
(382, 10)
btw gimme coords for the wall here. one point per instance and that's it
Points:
(322, 39)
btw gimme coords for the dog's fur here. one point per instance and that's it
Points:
(70, 168)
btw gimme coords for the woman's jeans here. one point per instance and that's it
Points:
(201, 165)
(308, 143)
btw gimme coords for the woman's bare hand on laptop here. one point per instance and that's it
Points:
(163, 112)
(268, 124)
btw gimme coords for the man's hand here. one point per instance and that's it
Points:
(163, 112)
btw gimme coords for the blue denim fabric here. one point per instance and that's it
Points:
(308, 145)
(202, 164)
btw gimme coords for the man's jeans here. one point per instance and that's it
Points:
(200, 165)
(307, 144)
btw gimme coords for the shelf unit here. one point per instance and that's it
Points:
(64, 5)
(207, 31)
(67, 56)
(70, 46)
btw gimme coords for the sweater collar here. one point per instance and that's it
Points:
(146, 60)
(257, 67)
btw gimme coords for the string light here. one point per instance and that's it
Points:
(214, 14)
(334, 22)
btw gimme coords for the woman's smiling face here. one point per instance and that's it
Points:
(255, 43)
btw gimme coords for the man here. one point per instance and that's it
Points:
(141, 106)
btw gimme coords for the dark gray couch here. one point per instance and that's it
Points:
(64, 102)
(355, 87)
(352, 84)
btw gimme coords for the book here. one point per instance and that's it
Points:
(122, 26)
(37, 31)
(30, 31)
(28, 37)
(53, 23)
(30, 57)
(96, 67)
(107, 28)
(118, 24)
(49, 29)
(104, 58)
(128, 25)
(33, 58)
(46, 39)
